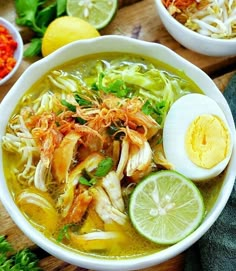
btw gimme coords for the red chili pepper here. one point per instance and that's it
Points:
(7, 48)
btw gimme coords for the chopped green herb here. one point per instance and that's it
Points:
(80, 120)
(64, 233)
(5, 246)
(104, 167)
(116, 87)
(158, 110)
(23, 260)
(81, 101)
(147, 108)
(94, 86)
(87, 178)
(119, 88)
(70, 106)
(93, 181)
(160, 107)
(83, 180)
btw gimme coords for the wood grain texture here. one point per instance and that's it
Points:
(139, 20)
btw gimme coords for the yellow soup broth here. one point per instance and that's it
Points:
(48, 111)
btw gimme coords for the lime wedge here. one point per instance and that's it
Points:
(98, 13)
(166, 207)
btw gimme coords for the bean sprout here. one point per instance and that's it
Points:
(212, 18)
(217, 20)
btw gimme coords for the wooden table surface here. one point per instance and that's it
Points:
(140, 20)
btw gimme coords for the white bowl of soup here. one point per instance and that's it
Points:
(206, 27)
(84, 132)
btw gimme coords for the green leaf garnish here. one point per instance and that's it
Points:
(147, 108)
(81, 101)
(80, 120)
(70, 106)
(45, 16)
(116, 87)
(119, 88)
(23, 260)
(104, 167)
(26, 11)
(84, 181)
(34, 47)
(64, 233)
(61, 7)
(37, 15)
(158, 110)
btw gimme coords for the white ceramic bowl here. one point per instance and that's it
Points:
(19, 50)
(193, 40)
(126, 45)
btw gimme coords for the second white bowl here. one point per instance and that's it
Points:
(193, 40)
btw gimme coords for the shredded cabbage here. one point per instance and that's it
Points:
(153, 85)
(156, 86)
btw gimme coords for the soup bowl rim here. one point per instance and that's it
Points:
(96, 45)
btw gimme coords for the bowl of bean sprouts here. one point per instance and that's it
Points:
(207, 27)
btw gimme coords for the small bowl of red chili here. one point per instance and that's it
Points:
(11, 50)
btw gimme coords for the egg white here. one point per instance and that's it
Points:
(178, 120)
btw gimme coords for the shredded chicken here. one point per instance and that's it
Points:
(104, 208)
(79, 206)
(112, 186)
(65, 200)
(64, 156)
(40, 176)
(139, 162)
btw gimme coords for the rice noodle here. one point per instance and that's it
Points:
(21, 142)
(36, 199)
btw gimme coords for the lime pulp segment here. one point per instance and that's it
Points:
(166, 207)
(98, 13)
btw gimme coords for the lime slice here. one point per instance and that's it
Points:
(98, 13)
(166, 207)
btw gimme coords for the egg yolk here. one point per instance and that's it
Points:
(207, 141)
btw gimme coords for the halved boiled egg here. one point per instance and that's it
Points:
(197, 139)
